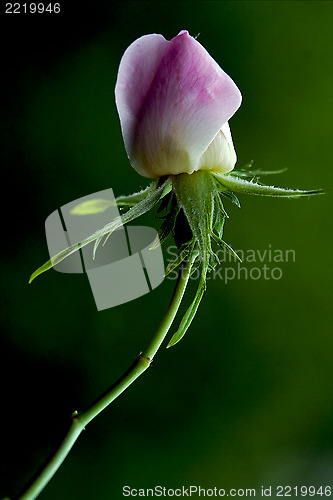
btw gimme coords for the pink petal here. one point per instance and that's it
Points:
(172, 99)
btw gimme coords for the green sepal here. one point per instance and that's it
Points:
(182, 254)
(190, 313)
(167, 204)
(153, 195)
(166, 228)
(225, 245)
(135, 198)
(198, 195)
(220, 216)
(136, 211)
(99, 205)
(168, 225)
(230, 195)
(195, 195)
(247, 187)
(219, 221)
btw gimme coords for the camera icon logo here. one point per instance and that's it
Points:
(124, 269)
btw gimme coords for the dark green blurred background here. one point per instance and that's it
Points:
(246, 399)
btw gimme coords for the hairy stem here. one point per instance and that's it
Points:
(81, 419)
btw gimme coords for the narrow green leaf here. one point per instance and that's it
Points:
(190, 313)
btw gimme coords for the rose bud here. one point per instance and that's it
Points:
(174, 102)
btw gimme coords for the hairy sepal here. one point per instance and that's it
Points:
(243, 186)
(153, 194)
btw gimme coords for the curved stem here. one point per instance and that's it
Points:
(143, 361)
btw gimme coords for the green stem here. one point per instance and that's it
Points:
(143, 361)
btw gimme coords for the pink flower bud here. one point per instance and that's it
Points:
(174, 102)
